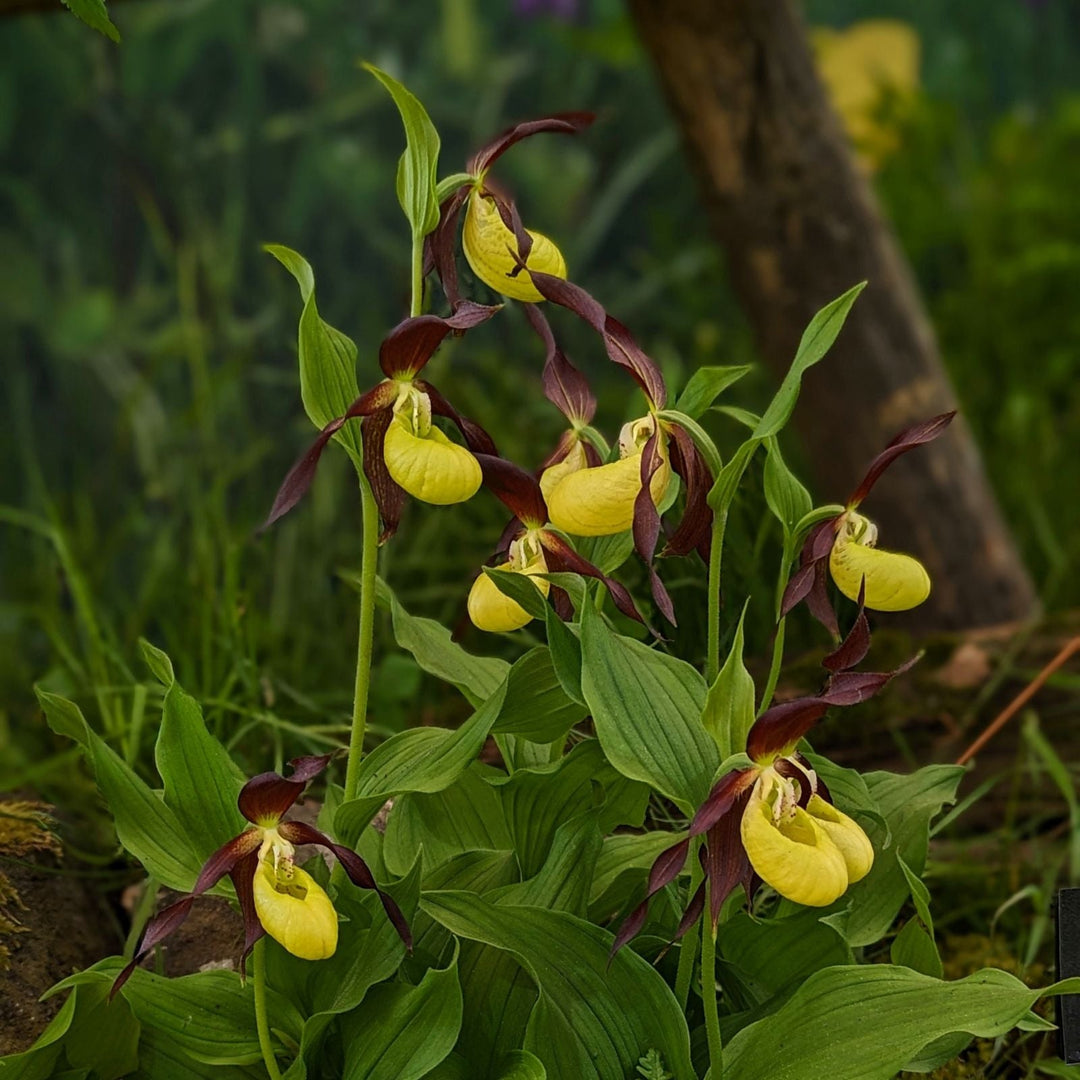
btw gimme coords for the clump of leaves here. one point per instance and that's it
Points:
(25, 828)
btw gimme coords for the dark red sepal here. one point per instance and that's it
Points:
(693, 911)
(646, 526)
(412, 343)
(783, 725)
(569, 123)
(298, 832)
(721, 799)
(390, 497)
(630, 928)
(809, 581)
(693, 531)
(853, 649)
(790, 769)
(908, 439)
(476, 438)
(243, 878)
(618, 341)
(564, 386)
(295, 485)
(726, 863)
(169, 919)
(854, 687)
(516, 489)
(818, 602)
(440, 247)
(561, 556)
(265, 798)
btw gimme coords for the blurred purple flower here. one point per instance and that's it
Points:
(566, 10)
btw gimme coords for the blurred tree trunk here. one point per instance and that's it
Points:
(800, 225)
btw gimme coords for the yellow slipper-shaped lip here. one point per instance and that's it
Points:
(846, 834)
(493, 611)
(488, 244)
(796, 857)
(298, 915)
(430, 468)
(894, 582)
(600, 501)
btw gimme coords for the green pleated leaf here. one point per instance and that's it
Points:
(95, 15)
(327, 357)
(565, 649)
(418, 165)
(520, 588)
(869, 1022)
(536, 706)
(463, 817)
(146, 827)
(477, 677)
(201, 781)
(647, 707)
(908, 803)
(621, 870)
(521, 1065)
(816, 341)
(537, 801)
(789, 501)
(914, 946)
(706, 385)
(594, 1019)
(161, 1059)
(421, 759)
(729, 706)
(403, 1032)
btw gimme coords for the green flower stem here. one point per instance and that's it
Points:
(366, 636)
(774, 667)
(417, 304)
(716, 550)
(708, 993)
(689, 948)
(261, 1020)
(141, 916)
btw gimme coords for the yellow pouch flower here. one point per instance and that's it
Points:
(488, 245)
(295, 911)
(423, 460)
(553, 475)
(492, 610)
(846, 834)
(600, 501)
(894, 582)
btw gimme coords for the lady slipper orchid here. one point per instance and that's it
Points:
(775, 820)
(847, 544)
(276, 896)
(404, 452)
(500, 250)
(528, 547)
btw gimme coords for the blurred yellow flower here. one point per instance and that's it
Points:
(862, 67)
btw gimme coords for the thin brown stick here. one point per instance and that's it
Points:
(1019, 701)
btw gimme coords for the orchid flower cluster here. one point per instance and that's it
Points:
(604, 738)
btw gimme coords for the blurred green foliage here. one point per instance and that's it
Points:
(150, 402)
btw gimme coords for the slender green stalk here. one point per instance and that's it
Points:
(140, 916)
(417, 304)
(716, 551)
(262, 1022)
(708, 993)
(365, 638)
(774, 667)
(688, 951)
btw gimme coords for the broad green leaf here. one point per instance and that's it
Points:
(596, 1016)
(327, 357)
(462, 817)
(850, 793)
(421, 759)
(729, 705)
(40, 1060)
(418, 165)
(647, 707)
(538, 801)
(201, 781)
(770, 956)
(914, 948)
(521, 1065)
(519, 588)
(477, 677)
(816, 341)
(722, 493)
(908, 803)
(869, 1022)
(146, 827)
(95, 15)
(789, 501)
(565, 651)
(403, 1032)
(706, 385)
(536, 706)
(161, 1059)
(621, 869)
